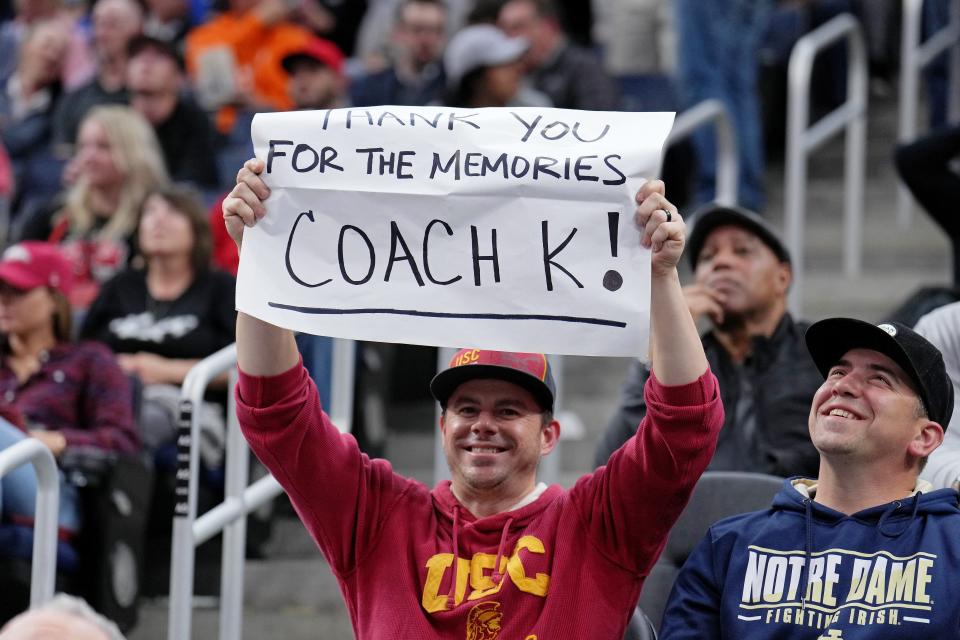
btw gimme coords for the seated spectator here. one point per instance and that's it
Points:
(865, 550)
(942, 328)
(755, 348)
(64, 617)
(483, 67)
(164, 318)
(415, 76)
(115, 23)
(234, 59)
(570, 75)
(156, 83)
(62, 393)
(117, 161)
(924, 166)
(316, 76)
(27, 103)
(78, 63)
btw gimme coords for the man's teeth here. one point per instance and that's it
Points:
(842, 413)
(484, 450)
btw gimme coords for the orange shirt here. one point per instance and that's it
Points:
(257, 47)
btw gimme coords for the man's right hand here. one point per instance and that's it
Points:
(704, 302)
(243, 207)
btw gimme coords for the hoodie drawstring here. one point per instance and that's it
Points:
(451, 597)
(894, 506)
(808, 550)
(497, 576)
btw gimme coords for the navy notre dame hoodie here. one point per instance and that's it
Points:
(888, 572)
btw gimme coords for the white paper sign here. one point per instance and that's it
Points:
(504, 228)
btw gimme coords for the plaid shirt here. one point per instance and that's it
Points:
(80, 391)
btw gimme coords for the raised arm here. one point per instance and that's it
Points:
(263, 349)
(676, 352)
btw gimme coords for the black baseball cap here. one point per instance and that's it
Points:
(827, 341)
(713, 215)
(528, 370)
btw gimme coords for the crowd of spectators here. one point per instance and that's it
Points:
(122, 126)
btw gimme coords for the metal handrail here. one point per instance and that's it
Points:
(728, 162)
(189, 531)
(803, 139)
(43, 571)
(914, 57)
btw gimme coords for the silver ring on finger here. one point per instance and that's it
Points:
(669, 215)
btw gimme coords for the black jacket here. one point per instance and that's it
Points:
(782, 380)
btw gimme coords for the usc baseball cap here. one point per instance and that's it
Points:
(28, 265)
(528, 370)
(827, 341)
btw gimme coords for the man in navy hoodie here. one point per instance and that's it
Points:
(864, 551)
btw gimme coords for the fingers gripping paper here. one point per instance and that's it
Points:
(495, 228)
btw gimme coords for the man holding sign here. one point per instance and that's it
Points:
(490, 554)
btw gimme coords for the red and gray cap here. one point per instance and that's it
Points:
(827, 341)
(529, 370)
(28, 265)
(318, 50)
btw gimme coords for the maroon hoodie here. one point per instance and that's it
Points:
(568, 565)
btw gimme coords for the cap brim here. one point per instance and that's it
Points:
(18, 275)
(710, 219)
(511, 51)
(827, 341)
(446, 382)
(289, 61)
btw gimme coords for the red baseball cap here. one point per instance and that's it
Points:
(318, 49)
(529, 370)
(28, 265)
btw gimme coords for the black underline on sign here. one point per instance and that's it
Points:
(328, 311)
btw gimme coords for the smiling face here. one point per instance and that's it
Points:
(867, 411)
(493, 438)
(744, 272)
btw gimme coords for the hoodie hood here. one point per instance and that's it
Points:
(468, 530)
(891, 519)
(798, 492)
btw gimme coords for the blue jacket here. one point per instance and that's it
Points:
(887, 572)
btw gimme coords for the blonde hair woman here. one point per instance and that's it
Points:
(117, 161)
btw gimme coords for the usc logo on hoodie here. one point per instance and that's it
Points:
(483, 621)
(483, 580)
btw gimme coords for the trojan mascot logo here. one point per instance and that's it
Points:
(483, 621)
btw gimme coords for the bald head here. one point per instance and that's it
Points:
(64, 617)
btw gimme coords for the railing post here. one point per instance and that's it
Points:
(43, 570)
(235, 533)
(728, 160)
(803, 139)
(189, 531)
(182, 553)
(914, 57)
